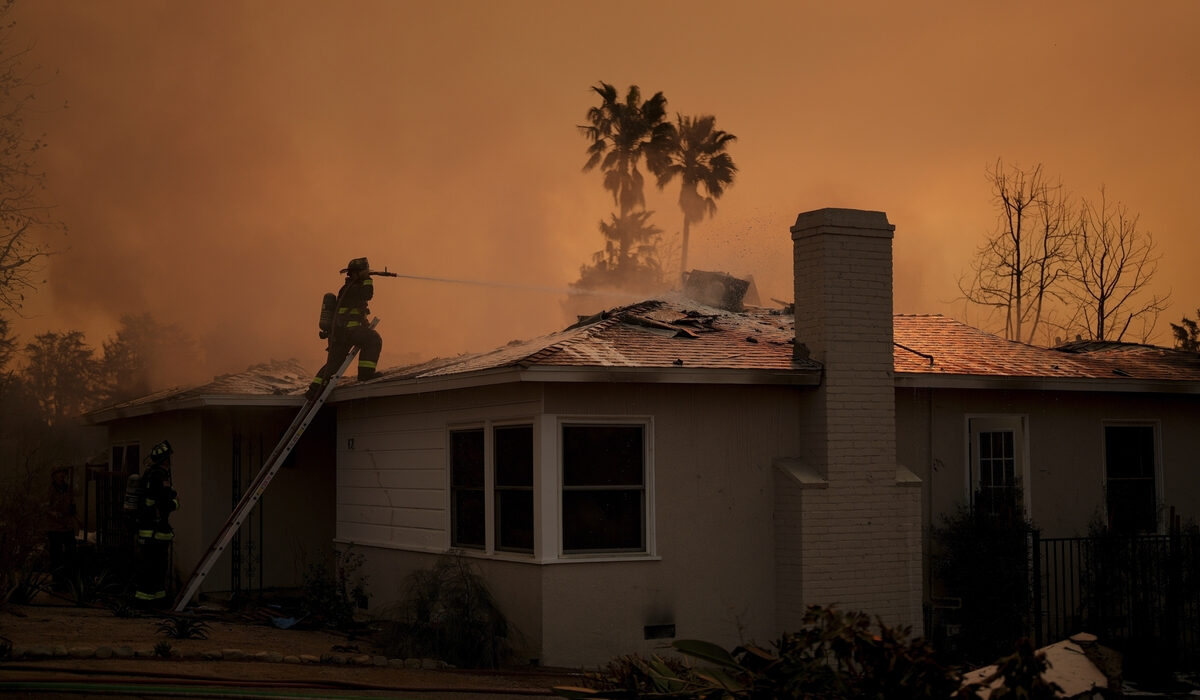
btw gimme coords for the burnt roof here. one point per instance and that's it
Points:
(274, 383)
(682, 341)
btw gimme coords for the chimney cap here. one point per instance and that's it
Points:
(849, 221)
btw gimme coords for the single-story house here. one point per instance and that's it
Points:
(671, 469)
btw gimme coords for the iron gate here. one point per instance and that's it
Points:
(1139, 594)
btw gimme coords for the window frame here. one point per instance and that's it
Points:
(490, 492)
(125, 467)
(1018, 424)
(648, 534)
(452, 490)
(498, 489)
(1155, 426)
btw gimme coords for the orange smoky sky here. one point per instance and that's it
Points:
(217, 163)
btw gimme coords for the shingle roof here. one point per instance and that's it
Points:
(937, 345)
(651, 334)
(277, 378)
(674, 337)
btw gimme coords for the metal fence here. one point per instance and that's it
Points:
(105, 489)
(1138, 594)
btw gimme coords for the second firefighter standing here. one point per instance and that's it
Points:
(157, 499)
(350, 328)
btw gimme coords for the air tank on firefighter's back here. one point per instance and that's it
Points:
(328, 304)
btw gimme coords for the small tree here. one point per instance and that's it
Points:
(1187, 334)
(448, 613)
(61, 373)
(1112, 263)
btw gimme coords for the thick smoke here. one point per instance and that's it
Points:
(218, 164)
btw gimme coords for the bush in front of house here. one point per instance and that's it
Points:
(333, 589)
(834, 656)
(22, 535)
(447, 614)
(981, 557)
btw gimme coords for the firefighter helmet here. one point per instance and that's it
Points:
(161, 452)
(357, 265)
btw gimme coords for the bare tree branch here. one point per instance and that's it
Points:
(1020, 266)
(1113, 263)
(25, 218)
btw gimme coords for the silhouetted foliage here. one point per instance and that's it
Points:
(834, 656)
(1085, 269)
(1187, 334)
(1112, 264)
(696, 156)
(447, 614)
(334, 588)
(629, 261)
(622, 134)
(137, 358)
(21, 534)
(61, 373)
(8, 345)
(183, 627)
(982, 558)
(1020, 268)
(1021, 676)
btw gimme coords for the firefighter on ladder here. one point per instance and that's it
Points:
(350, 328)
(156, 501)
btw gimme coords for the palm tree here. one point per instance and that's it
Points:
(696, 155)
(622, 133)
(629, 260)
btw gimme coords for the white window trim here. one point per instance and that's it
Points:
(998, 421)
(489, 489)
(1159, 493)
(651, 550)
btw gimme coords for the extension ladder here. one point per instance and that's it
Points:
(252, 495)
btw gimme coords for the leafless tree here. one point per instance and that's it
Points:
(1020, 267)
(25, 219)
(1112, 264)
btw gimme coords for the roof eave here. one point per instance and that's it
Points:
(107, 415)
(645, 375)
(929, 380)
(676, 375)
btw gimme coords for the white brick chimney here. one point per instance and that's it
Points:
(848, 523)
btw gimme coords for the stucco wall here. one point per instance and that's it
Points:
(201, 472)
(714, 577)
(183, 430)
(711, 570)
(1065, 438)
(292, 525)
